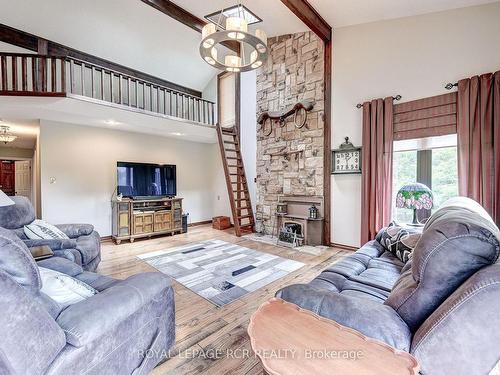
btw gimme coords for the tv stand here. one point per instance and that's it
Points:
(146, 218)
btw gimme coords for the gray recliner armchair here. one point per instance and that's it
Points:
(83, 246)
(127, 328)
(442, 305)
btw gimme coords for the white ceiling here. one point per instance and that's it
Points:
(339, 13)
(127, 32)
(25, 130)
(136, 35)
(276, 18)
(80, 112)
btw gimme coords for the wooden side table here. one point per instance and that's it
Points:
(292, 341)
(41, 252)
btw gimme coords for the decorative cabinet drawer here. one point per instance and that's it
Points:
(162, 221)
(143, 223)
(177, 205)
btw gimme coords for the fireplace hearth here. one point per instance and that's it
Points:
(291, 234)
(295, 227)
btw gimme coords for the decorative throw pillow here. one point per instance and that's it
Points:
(64, 289)
(41, 230)
(398, 240)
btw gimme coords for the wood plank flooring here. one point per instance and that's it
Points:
(209, 339)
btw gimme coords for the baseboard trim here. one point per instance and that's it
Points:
(343, 247)
(196, 223)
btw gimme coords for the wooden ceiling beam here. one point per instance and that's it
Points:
(307, 14)
(183, 16)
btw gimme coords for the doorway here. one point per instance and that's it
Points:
(16, 178)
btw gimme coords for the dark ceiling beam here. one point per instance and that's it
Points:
(40, 45)
(307, 14)
(183, 16)
(177, 13)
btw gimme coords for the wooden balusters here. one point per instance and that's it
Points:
(31, 74)
(24, 73)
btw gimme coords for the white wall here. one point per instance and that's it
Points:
(83, 161)
(248, 120)
(414, 57)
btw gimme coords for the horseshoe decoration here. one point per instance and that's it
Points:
(299, 111)
(267, 132)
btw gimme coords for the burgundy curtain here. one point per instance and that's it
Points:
(478, 131)
(376, 166)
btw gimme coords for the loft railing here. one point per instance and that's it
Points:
(38, 75)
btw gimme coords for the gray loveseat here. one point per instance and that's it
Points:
(83, 246)
(126, 328)
(443, 305)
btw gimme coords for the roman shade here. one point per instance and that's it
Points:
(428, 117)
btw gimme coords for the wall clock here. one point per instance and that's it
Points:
(346, 159)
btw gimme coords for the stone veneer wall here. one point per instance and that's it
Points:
(293, 72)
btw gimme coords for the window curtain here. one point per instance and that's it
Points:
(478, 132)
(378, 133)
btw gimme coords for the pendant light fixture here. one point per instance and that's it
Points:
(253, 51)
(5, 135)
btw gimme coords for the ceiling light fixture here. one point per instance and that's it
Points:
(112, 122)
(177, 134)
(253, 51)
(5, 135)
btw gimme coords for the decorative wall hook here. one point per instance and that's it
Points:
(299, 111)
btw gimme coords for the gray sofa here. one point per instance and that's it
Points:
(83, 246)
(126, 328)
(443, 305)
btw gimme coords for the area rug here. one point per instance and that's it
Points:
(220, 271)
(272, 240)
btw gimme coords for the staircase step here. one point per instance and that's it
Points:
(233, 158)
(244, 217)
(230, 149)
(236, 174)
(231, 142)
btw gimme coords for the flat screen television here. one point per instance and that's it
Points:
(141, 180)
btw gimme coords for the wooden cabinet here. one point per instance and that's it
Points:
(163, 221)
(145, 218)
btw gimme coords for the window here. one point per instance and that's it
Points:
(431, 161)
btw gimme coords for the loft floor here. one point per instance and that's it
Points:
(200, 325)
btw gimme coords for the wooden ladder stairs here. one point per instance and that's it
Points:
(236, 181)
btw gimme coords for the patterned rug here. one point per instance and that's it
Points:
(220, 271)
(273, 240)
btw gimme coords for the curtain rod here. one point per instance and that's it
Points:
(397, 97)
(450, 85)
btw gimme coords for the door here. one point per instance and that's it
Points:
(22, 181)
(7, 177)
(228, 100)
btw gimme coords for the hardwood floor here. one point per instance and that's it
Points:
(211, 340)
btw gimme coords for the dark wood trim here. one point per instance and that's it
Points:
(327, 139)
(197, 223)
(18, 38)
(343, 247)
(106, 239)
(32, 42)
(307, 14)
(177, 13)
(183, 16)
(237, 103)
